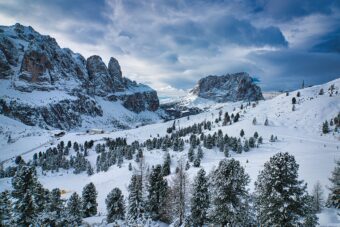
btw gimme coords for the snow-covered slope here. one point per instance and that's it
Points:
(299, 132)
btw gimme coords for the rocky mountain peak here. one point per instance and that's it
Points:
(31, 63)
(228, 88)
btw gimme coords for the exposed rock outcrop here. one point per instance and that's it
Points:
(31, 62)
(228, 88)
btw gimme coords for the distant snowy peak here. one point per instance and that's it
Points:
(228, 88)
(31, 62)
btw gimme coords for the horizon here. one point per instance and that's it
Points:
(280, 44)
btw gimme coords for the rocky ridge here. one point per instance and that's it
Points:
(34, 63)
(228, 88)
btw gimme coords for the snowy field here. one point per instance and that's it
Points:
(299, 132)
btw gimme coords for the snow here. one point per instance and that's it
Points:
(299, 133)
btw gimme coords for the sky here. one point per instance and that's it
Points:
(170, 45)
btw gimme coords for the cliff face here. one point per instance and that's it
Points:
(228, 88)
(31, 63)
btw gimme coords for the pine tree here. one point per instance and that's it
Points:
(318, 199)
(135, 199)
(246, 146)
(55, 208)
(197, 161)
(191, 154)
(242, 133)
(254, 121)
(228, 194)
(266, 122)
(200, 153)
(334, 195)
(89, 169)
(157, 195)
(23, 184)
(74, 210)
(281, 199)
(89, 200)
(5, 208)
(200, 199)
(166, 165)
(115, 205)
(325, 127)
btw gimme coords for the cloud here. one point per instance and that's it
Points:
(175, 43)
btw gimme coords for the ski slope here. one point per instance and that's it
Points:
(299, 132)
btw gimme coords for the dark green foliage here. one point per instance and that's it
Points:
(199, 199)
(157, 194)
(89, 200)
(135, 200)
(5, 208)
(334, 195)
(242, 133)
(281, 198)
(325, 127)
(23, 184)
(293, 100)
(166, 165)
(74, 210)
(115, 205)
(229, 194)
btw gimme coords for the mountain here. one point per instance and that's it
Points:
(211, 90)
(51, 87)
(228, 88)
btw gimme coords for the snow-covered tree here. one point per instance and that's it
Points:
(199, 202)
(89, 200)
(281, 199)
(157, 195)
(74, 210)
(166, 165)
(23, 184)
(325, 127)
(5, 208)
(318, 197)
(191, 154)
(179, 191)
(135, 199)
(115, 205)
(229, 194)
(334, 195)
(55, 208)
(242, 133)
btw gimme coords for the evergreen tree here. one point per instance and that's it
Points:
(318, 200)
(115, 205)
(191, 154)
(266, 122)
(55, 208)
(89, 200)
(256, 135)
(135, 199)
(334, 195)
(197, 162)
(325, 127)
(89, 169)
(242, 133)
(246, 146)
(200, 153)
(251, 142)
(229, 194)
(157, 195)
(5, 208)
(74, 210)
(166, 165)
(23, 184)
(254, 121)
(282, 199)
(200, 199)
